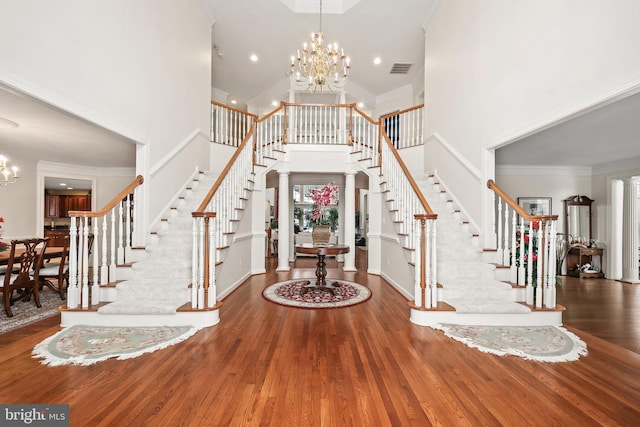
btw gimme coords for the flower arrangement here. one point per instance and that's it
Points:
(3, 245)
(524, 258)
(322, 198)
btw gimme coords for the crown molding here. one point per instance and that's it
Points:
(541, 170)
(624, 167)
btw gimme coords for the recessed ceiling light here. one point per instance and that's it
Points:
(360, 104)
(274, 103)
(377, 60)
(233, 101)
(63, 184)
(253, 57)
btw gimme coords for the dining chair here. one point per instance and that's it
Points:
(58, 271)
(28, 254)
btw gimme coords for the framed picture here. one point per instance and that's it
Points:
(536, 205)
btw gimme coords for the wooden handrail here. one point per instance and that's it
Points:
(493, 186)
(223, 174)
(401, 112)
(234, 109)
(363, 114)
(263, 118)
(121, 195)
(412, 182)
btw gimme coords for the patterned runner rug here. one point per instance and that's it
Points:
(290, 293)
(539, 343)
(86, 345)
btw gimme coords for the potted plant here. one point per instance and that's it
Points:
(323, 219)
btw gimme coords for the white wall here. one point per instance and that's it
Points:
(497, 69)
(555, 183)
(140, 68)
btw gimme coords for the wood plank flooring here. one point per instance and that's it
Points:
(365, 365)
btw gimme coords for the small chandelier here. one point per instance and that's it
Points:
(7, 175)
(317, 66)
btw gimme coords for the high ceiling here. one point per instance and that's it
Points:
(270, 29)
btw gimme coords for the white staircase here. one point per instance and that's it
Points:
(155, 290)
(474, 288)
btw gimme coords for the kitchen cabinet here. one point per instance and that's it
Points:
(56, 237)
(77, 203)
(51, 206)
(74, 203)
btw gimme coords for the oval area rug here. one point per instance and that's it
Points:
(289, 293)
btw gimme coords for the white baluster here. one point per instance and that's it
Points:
(539, 264)
(550, 297)
(212, 294)
(104, 270)
(127, 249)
(120, 234)
(194, 263)
(506, 251)
(72, 290)
(112, 265)
(500, 250)
(513, 259)
(85, 262)
(529, 289)
(418, 291)
(201, 262)
(95, 288)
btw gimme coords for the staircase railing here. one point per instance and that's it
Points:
(318, 124)
(229, 125)
(415, 221)
(526, 243)
(214, 220)
(405, 128)
(337, 124)
(100, 240)
(365, 136)
(270, 134)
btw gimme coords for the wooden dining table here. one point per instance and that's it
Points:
(49, 252)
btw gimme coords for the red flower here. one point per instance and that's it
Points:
(535, 225)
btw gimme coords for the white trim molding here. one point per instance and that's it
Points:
(456, 154)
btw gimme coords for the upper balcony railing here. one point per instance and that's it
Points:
(335, 124)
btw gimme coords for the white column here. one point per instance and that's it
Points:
(283, 221)
(630, 230)
(350, 220)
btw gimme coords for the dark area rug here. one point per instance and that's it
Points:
(26, 312)
(290, 293)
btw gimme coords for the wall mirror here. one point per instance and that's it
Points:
(577, 219)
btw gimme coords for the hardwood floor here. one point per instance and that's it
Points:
(364, 365)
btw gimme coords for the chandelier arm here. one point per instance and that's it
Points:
(320, 66)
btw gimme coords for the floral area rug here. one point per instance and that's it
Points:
(291, 293)
(26, 312)
(539, 343)
(86, 345)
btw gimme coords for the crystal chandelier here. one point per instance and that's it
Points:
(7, 175)
(318, 66)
